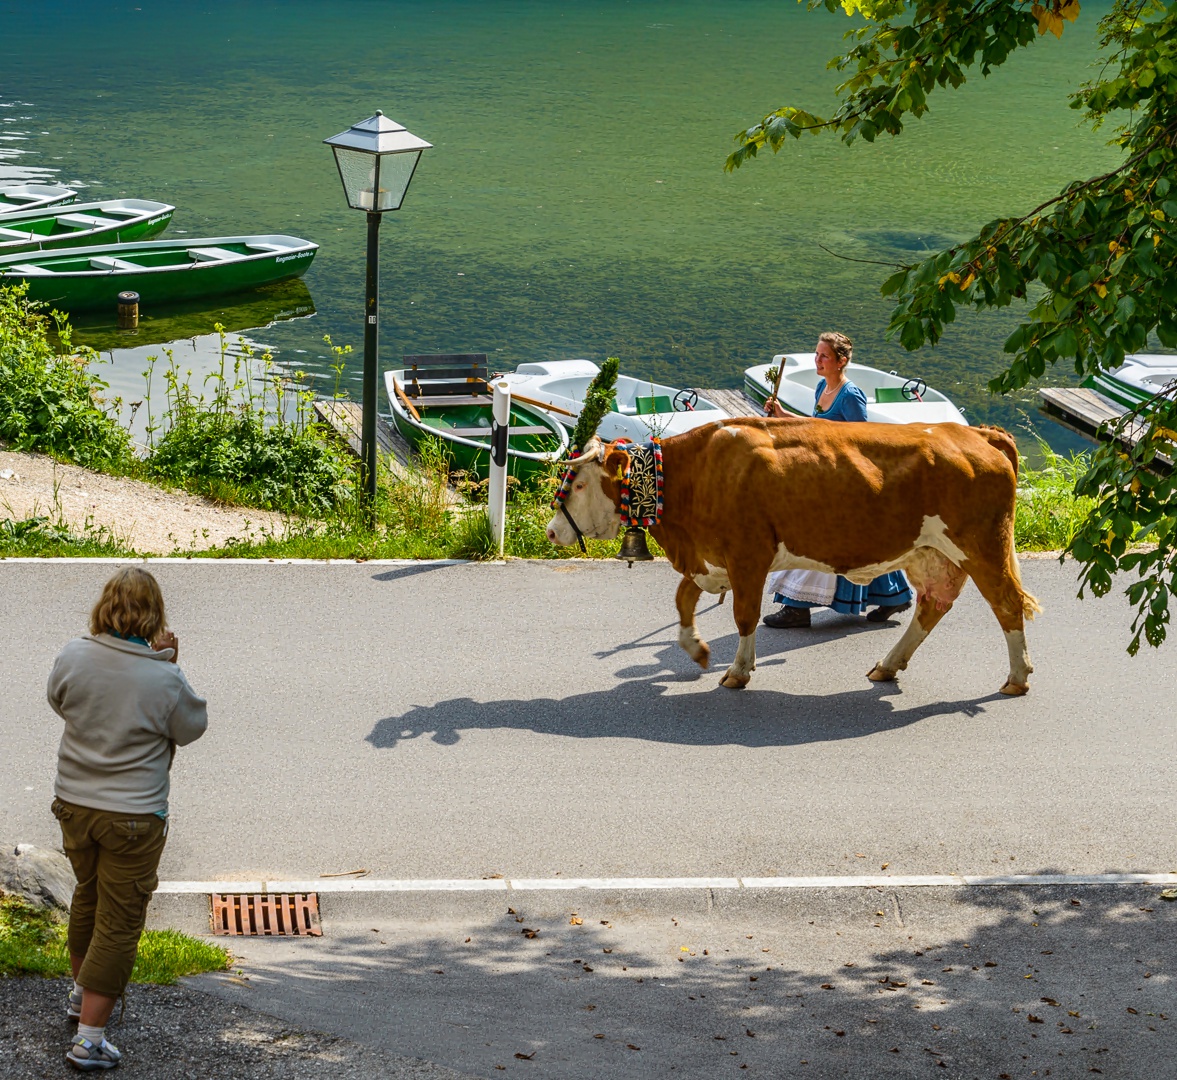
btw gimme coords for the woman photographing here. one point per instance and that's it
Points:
(126, 707)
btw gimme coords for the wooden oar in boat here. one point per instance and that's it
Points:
(406, 402)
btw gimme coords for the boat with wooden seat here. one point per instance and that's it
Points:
(116, 221)
(890, 398)
(446, 397)
(160, 271)
(17, 197)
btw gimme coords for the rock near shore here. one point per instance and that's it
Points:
(38, 876)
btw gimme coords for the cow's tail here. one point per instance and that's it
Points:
(1002, 440)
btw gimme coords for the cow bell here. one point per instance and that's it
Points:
(633, 546)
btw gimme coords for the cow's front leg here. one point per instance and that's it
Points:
(746, 608)
(688, 633)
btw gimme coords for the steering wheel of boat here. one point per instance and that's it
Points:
(914, 389)
(686, 400)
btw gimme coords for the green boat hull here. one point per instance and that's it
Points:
(1120, 392)
(475, 460)
(76, 286)
(115, 234)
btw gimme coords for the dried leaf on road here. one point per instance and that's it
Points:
(526, 1057)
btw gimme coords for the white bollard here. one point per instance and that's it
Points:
(496, 496)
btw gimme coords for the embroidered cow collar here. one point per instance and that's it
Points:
(641, 485)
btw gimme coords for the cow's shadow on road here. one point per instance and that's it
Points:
(641, 706)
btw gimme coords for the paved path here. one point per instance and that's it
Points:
(537, 719)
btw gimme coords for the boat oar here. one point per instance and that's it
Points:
(407, 403)
(776, 387)
(540, 404)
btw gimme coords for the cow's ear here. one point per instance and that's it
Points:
(615, 464)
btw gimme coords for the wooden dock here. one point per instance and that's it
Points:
(733, 402)
(1091, 414)
(346, 418)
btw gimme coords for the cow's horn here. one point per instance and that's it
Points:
(592, 453)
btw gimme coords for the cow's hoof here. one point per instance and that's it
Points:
(880, 674)
(1013, 689)
(703, 657)
(733, 682)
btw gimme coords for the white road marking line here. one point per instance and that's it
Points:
(366, 885)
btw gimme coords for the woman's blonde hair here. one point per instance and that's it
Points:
(130, 605)
(840, 343)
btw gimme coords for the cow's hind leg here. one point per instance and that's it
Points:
(937, 582)
(746, 609)
(685, 600)
(1000, 582)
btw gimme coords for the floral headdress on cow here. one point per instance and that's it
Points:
(598, 400)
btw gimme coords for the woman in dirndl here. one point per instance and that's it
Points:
(800, 591)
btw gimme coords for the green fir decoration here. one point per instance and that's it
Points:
(598, 400)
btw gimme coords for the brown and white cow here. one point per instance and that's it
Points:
(747, 496)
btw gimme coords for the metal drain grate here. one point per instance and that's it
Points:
(266, 914)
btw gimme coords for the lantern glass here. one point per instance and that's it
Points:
(375, 181)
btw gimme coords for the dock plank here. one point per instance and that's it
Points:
(733, 402)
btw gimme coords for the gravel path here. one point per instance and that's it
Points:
(175, 1033)
(147, 518)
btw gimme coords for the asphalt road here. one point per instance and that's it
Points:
(535, 719)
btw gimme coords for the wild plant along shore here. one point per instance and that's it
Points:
(247, 437)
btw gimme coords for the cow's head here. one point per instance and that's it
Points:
(593, 492)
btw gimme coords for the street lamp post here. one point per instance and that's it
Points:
(376, 159)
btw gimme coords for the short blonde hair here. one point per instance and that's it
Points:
(130, 605)
(840, 343)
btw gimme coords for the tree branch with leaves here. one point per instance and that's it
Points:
(1096, 265)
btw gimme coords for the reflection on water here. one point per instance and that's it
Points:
(574, 203)
(134, 363)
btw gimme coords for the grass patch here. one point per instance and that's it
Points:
(1049, 512)
(33, 942)
(41, 537)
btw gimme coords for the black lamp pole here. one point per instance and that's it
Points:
(371, 383)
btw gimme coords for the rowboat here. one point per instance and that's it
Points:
(16, 197)
(1136, 380)
(890, 398)
(640, 408)
(116, 222)
(462, 424)
(160, 271)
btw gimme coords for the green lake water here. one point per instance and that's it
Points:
(574, 204)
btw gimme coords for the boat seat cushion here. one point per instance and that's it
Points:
(660, 403)
(211, 254)
(888, 395)
(104, 262)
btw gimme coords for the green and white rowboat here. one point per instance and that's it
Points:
(461, 424)
(115, 222)
(160, 271)
(17, 197)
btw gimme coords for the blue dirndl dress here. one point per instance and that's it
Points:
(887, 590)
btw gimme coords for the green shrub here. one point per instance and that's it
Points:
(50, 401)
(244, 447)
(1049, 512)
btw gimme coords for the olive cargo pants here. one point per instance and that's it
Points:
(115, 858)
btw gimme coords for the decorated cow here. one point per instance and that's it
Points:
(731, 501)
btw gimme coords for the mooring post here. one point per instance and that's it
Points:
(128, 310)
(496, 496)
